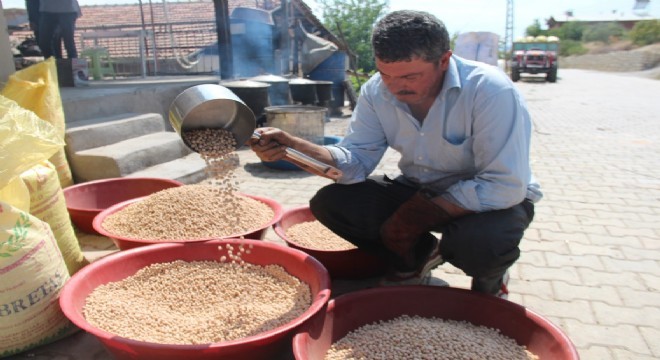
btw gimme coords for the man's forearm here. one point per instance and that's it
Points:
(315, 151)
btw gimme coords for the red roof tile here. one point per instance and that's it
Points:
(180, 28)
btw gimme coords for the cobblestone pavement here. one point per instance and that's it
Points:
(591, 259)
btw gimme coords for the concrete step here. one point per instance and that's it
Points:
(128, 156)
(97, 132)
(189, 169)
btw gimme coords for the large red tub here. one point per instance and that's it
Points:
(342, 264)
(353, 310)
(124, 243)
(86, 200)
(271, 344)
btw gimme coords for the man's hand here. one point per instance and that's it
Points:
(414, 217)
(271, 145)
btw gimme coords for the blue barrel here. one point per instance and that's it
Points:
(333, 69)
(252, 48)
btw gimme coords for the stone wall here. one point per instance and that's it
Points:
(635, 60)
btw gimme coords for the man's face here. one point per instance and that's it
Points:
(415, 81)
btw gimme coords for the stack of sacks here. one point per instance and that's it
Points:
(38, 246)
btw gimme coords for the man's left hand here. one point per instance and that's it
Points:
(413, 218)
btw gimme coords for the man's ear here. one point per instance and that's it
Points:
(444, 60)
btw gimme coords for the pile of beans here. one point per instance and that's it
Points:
(189, 212)
(198, 302)
(192, 212)
(216, 147)
(414, 337)
(314, 235)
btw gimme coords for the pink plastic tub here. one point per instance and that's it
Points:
(271, 344)
(124, 243)
(342, 264)
(353, 310)
(86, 200)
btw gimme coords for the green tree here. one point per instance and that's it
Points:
(604, 32)
(571, 47)
(645, 32)
(571, 30)
(356, 19)
(534, 29)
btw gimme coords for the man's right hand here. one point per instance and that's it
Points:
(271, 145)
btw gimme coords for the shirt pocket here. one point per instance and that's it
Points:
(455, 156)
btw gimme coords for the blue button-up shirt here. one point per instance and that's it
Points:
(473, 145)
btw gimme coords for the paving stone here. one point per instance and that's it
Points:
(626, 337)
(601, 250)
(575, 261)
(568, 292)
(620, 315)
(611, 240)
(621, 354)
(651, 335)
(651, 281)
(596, 352)
(640, 266)
(619, 231)
(532, 258)
(565, 236)
(622, 280)
(533, 273)
(540, 288)
(577, 309)
(560, 247)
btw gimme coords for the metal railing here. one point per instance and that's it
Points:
(164, 49)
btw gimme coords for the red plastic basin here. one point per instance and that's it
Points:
(86, 200)
(125, 243)
(341, 264)
(353, 310)
(267, 345)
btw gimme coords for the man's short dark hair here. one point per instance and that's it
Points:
(407, 34)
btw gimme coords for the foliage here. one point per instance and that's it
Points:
(535, 29)
(574, 34)
(356, 19)
(452, 40)
(645, 32)
(571, 47)
(603, 32)
(357, 82)
(572, 30)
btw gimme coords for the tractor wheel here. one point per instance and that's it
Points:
(552, 75)
(515, 75)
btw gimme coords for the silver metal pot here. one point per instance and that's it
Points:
(210, 106)
(253, 93)
(303, 91)
(324, 92)
(305, 121)
(279, 91)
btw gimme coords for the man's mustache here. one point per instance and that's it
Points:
(406, 92)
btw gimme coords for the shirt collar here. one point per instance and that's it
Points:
(452, 76)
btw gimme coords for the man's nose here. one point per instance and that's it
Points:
(394, 84)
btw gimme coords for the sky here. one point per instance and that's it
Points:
(475, 15)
